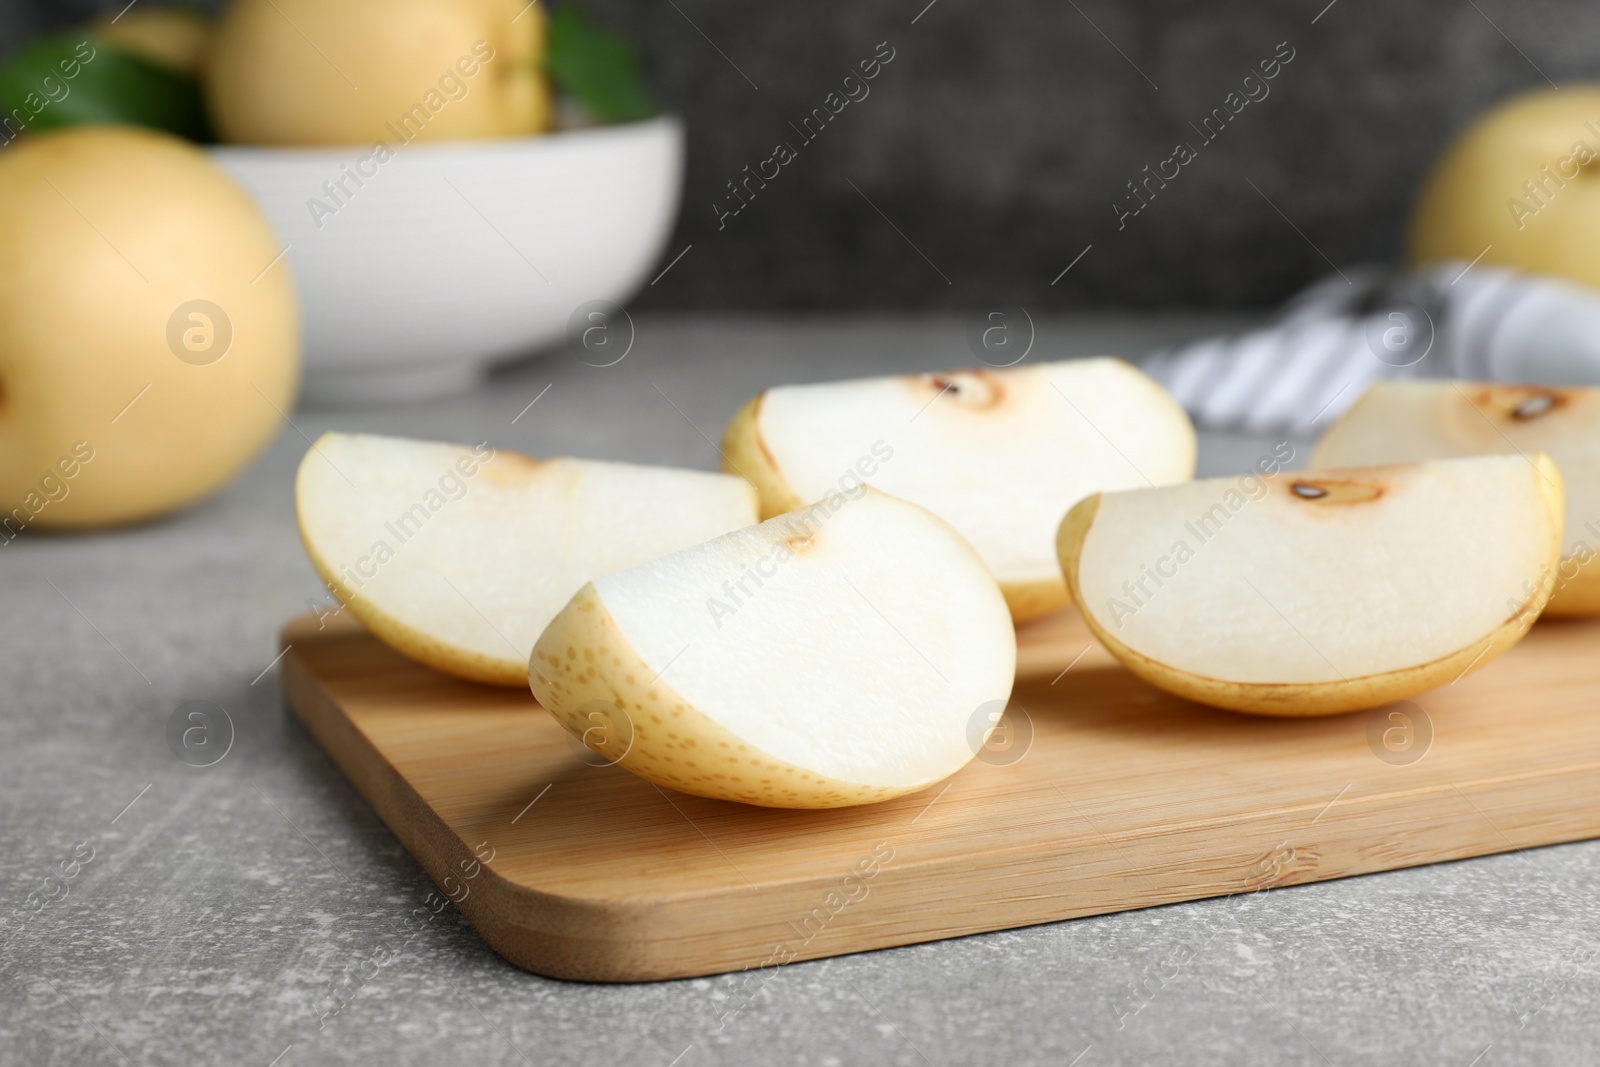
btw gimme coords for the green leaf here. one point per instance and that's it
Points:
(74, 79)
(597, 67)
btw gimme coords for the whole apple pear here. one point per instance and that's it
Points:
(323, 72)
(1520, 187)
(149, 333)
(172, 37)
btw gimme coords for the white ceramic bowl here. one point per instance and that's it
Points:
(425, 268)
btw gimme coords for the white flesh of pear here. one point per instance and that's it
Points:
(1404, 421)
(820, 659)
(1392, 568)
(999, 454)
(460, 561)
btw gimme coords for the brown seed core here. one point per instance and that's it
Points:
(972, 389)
(1517, 403)
(1534, 406)
(1335, 493)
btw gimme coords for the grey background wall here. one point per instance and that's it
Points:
(992, 149)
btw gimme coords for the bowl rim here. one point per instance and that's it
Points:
(667, 123)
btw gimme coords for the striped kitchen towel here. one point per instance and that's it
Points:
(1452, 320)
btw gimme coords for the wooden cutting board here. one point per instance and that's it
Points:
(1124, 798)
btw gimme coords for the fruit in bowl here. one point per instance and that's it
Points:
(309, 72)
(177, 38)
(401, 148)
(394, 148)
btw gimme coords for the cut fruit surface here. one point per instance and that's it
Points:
(1404, 421)
(999, 454)
(1318, 591)
(459, 556)
(839, 655)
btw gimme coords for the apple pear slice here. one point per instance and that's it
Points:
(834, 656)
(1404, 421)
(458, 557)
(1319, 591)
(999, 454)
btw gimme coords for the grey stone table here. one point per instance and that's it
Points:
(221, 905)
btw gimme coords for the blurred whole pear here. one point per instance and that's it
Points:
(1519, 187)
(322, 72)
(173, 37)
(149, 333)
